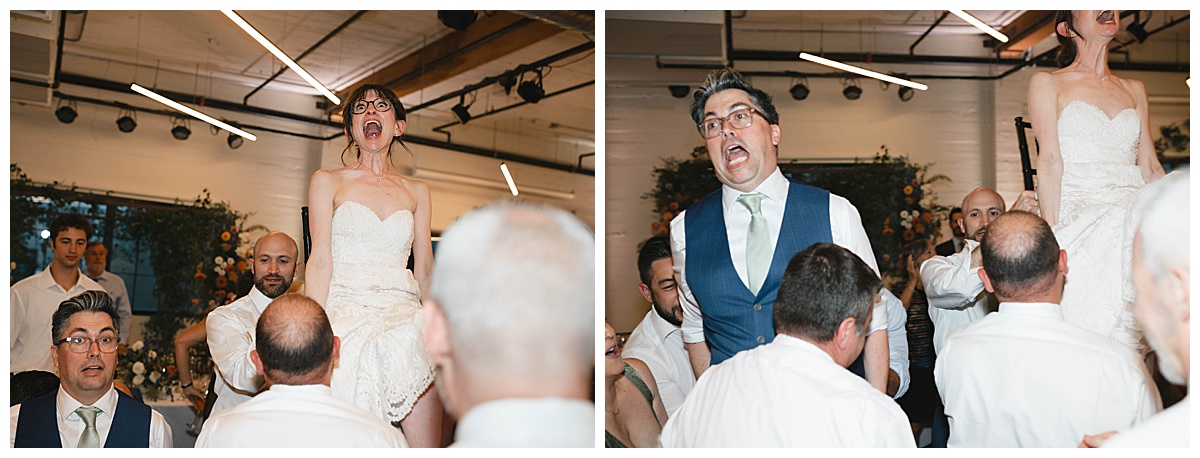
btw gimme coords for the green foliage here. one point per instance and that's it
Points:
(1174, 138)
(882, 189)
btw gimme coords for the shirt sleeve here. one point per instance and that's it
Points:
(16, 317)
(160, 431)
(897, 341)
(230, 344)
(950, 282)
(693, 320)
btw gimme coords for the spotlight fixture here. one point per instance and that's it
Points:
(861, 71)
(66, 112)
(457, 20)
(1137, 28)
(198, 115)
(460, 110)
(906, 94)
(679, 91)
(800, 90)
(531, 91)
(234, 141)
(181, 130)
(507, 81)
(512, 186)
(980, 25)
(851, 91)
(128, 121)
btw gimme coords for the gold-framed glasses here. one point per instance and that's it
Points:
(381, 105)
(80, 344)
(739, 119)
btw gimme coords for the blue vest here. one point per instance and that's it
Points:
(735, 319)
(37, 426)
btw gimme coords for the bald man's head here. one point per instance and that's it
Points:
(1021, 257)
(274, 263)
(979, 208)
(295, 342)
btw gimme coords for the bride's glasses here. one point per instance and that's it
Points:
(381, 105)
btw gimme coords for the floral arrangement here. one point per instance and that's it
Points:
(893, 196)
(141, 366)
(218, 280)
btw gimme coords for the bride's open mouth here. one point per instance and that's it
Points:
(372, 129)
(1105, 16)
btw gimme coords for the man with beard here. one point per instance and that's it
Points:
(510, 326)
(657, 342)
(86, 411)
(955, 244)
(1024, 376)
(34, 299)
(952, 283)
(231, 327)
(1162, 277)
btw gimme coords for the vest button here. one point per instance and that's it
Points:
(761, 339)
(757, 307)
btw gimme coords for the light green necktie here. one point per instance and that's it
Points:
(758, 242)
(90, 437)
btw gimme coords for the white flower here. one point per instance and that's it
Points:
(137, 346)
(219, 261)
(219, 270)
(906, 223)
(12, 265)
(152, 354)
(154, 377)
(137, 379)
(139, 368)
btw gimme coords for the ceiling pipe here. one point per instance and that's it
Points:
(439, 129)
(579, 21)
(930, 29)
(306, 52)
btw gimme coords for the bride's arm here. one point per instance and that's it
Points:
(319, 267)
(1043, 115)
(1147, 159)
(422, 248)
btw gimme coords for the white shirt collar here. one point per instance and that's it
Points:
(260, 300)
(802, 345)
(67, 403)
(1042, 309)
(775, 187)
(661, 327)
(311, 389)
(47, 280)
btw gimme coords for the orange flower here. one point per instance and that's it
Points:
(908, 235)
(225, 247)
(232, 296)
(200, 276)
(908, 201)
(887, 231)
(225, 236)
(232, 276)
(222, 281)
(926, 217)
(241, 266)
(886, 256)
(908, 190)
(666, 217)
(920, 228)
(915, 182)
(674, 206)
(654, 226)
(195, 302)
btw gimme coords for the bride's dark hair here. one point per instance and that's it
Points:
(348, 114)
(1066, 51)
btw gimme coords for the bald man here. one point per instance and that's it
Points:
(952, 282)
(1024, 376)
(231, 327)
(295, 353)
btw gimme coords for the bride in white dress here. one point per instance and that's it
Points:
(364, 220)
(1095, 153)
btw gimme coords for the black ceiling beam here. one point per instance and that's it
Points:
(930, 29)
(307, 51)
(518, 104)
(501, 155)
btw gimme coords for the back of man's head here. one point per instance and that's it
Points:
(516, 284)
(294, 341)
(653, 249)
(1021, 257)
(822, 286)
(1162, 214)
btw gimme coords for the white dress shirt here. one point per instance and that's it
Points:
(659, 344)
(70, 426)
(298, 416)
(120, 296)
(33, 303)
(955, 292)
(788, 393)
(230, 339)
(528, 422)
(1023, 377)
(1170, 428)
(844, 223)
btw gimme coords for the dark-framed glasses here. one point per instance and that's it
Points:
(80, 344)
(381, 105)
(739, 119)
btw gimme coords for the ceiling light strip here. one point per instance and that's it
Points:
(508, 177)
(980, 25)
(283, 57)
(194, 113)
(862, 71)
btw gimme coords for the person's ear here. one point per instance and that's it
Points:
(337, 348)
(1062, 261)
(845, 333)
(1179, 290)
(258, 365)
(54, 355)
(775, 134)
(1063, 29)
(437, 334)
(962, 227)
(400, 126)
(987, 282)
(645, 290)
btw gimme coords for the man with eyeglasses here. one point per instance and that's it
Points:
(730, 247)
(86, 411)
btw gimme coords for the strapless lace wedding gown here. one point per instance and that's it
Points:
(374, 306)
(1099, 181)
